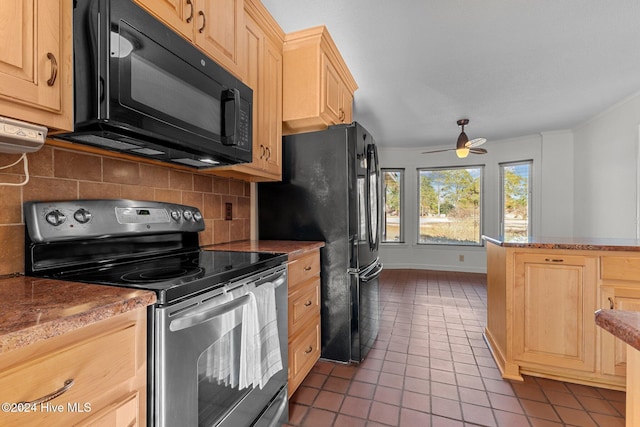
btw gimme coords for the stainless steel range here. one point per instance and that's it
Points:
(208, 365)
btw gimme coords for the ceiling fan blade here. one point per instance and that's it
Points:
(478, 150)
(438, 151)
(475, 142)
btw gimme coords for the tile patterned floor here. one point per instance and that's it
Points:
(431, 367)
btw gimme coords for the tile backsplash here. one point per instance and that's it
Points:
(59, 174)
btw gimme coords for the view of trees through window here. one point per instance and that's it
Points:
(392, 180)
(449, 206)
(515, 179)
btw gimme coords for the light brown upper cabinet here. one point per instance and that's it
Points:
(262, 71)
(318, 86)
(215, 26)
(36, 82)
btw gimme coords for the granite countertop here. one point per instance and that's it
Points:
(622, 324)
(575, 243)
(293, 248)
(35, 309)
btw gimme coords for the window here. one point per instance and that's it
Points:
(449, 205)
(393, 196)
(515, 184)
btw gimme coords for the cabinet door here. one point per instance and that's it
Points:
(331, 100)
(34, 64)
(271, 110)
(554, 301)
(614, 351)
(219, 29)
(178, 14)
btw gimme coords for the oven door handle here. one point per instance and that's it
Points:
(206, 314)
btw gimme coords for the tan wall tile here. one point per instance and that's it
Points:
(236, 188)
(120, 171)
(69, 164)
(98, 190)
(206, 236)
(212, 206)
(10, 201)
(137, 192)
(221, 231)
(221, 185)
(154, 176)
(41, 162)
(236, 230)
(203, 183)
(8, 159)
(47, 189)
(243, 208)
(11, 249)
(179, 180)
(169, 196)
(190, 198)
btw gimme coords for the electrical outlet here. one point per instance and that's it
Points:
(461, 258)
(228, 211)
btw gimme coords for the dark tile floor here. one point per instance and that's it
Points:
(431, 367)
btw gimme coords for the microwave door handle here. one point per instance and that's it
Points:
(230, 136)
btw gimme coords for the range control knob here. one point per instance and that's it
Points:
(175, 215)
(55, 217)
(188, 215)
(197, 216)
(82, 215)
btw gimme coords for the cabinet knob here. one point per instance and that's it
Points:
(308, 303)
(342, 115)
(268, 153)
(190, 17)
(204, 21)
(611, 304)
(308, 350)
(307, 268)
(54, 69)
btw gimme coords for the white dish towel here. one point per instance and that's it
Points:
(260, 346)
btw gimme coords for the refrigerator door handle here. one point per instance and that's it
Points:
(372, 274)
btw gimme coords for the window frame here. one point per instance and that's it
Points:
(479, 242)
(529, 195)
(401, 203)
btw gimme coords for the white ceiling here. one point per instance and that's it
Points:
(513, 67)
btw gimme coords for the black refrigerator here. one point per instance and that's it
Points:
(330, 191)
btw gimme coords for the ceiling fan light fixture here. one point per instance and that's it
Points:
(462, 148)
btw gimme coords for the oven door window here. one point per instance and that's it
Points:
(159, 85)
(218, 372)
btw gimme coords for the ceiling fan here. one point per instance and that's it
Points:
(464, 146)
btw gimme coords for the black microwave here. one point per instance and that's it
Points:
(141, 89)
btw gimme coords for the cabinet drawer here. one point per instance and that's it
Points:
(304, 351)
(95, 366)
(304, 303)
(620, 268)
(304, 268)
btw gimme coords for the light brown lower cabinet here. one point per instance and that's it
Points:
(93, 376)
(540, 312)
(304, 316)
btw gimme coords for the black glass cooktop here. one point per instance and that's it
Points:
(174, 277)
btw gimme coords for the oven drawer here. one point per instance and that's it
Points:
(97, 366)
(304, 303)
(304, 268)
(304, 351)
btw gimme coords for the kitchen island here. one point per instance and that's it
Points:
(72, 353)
(625, 325)
(541, 296)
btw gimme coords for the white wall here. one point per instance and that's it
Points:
(552, 201)
(606, 173)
